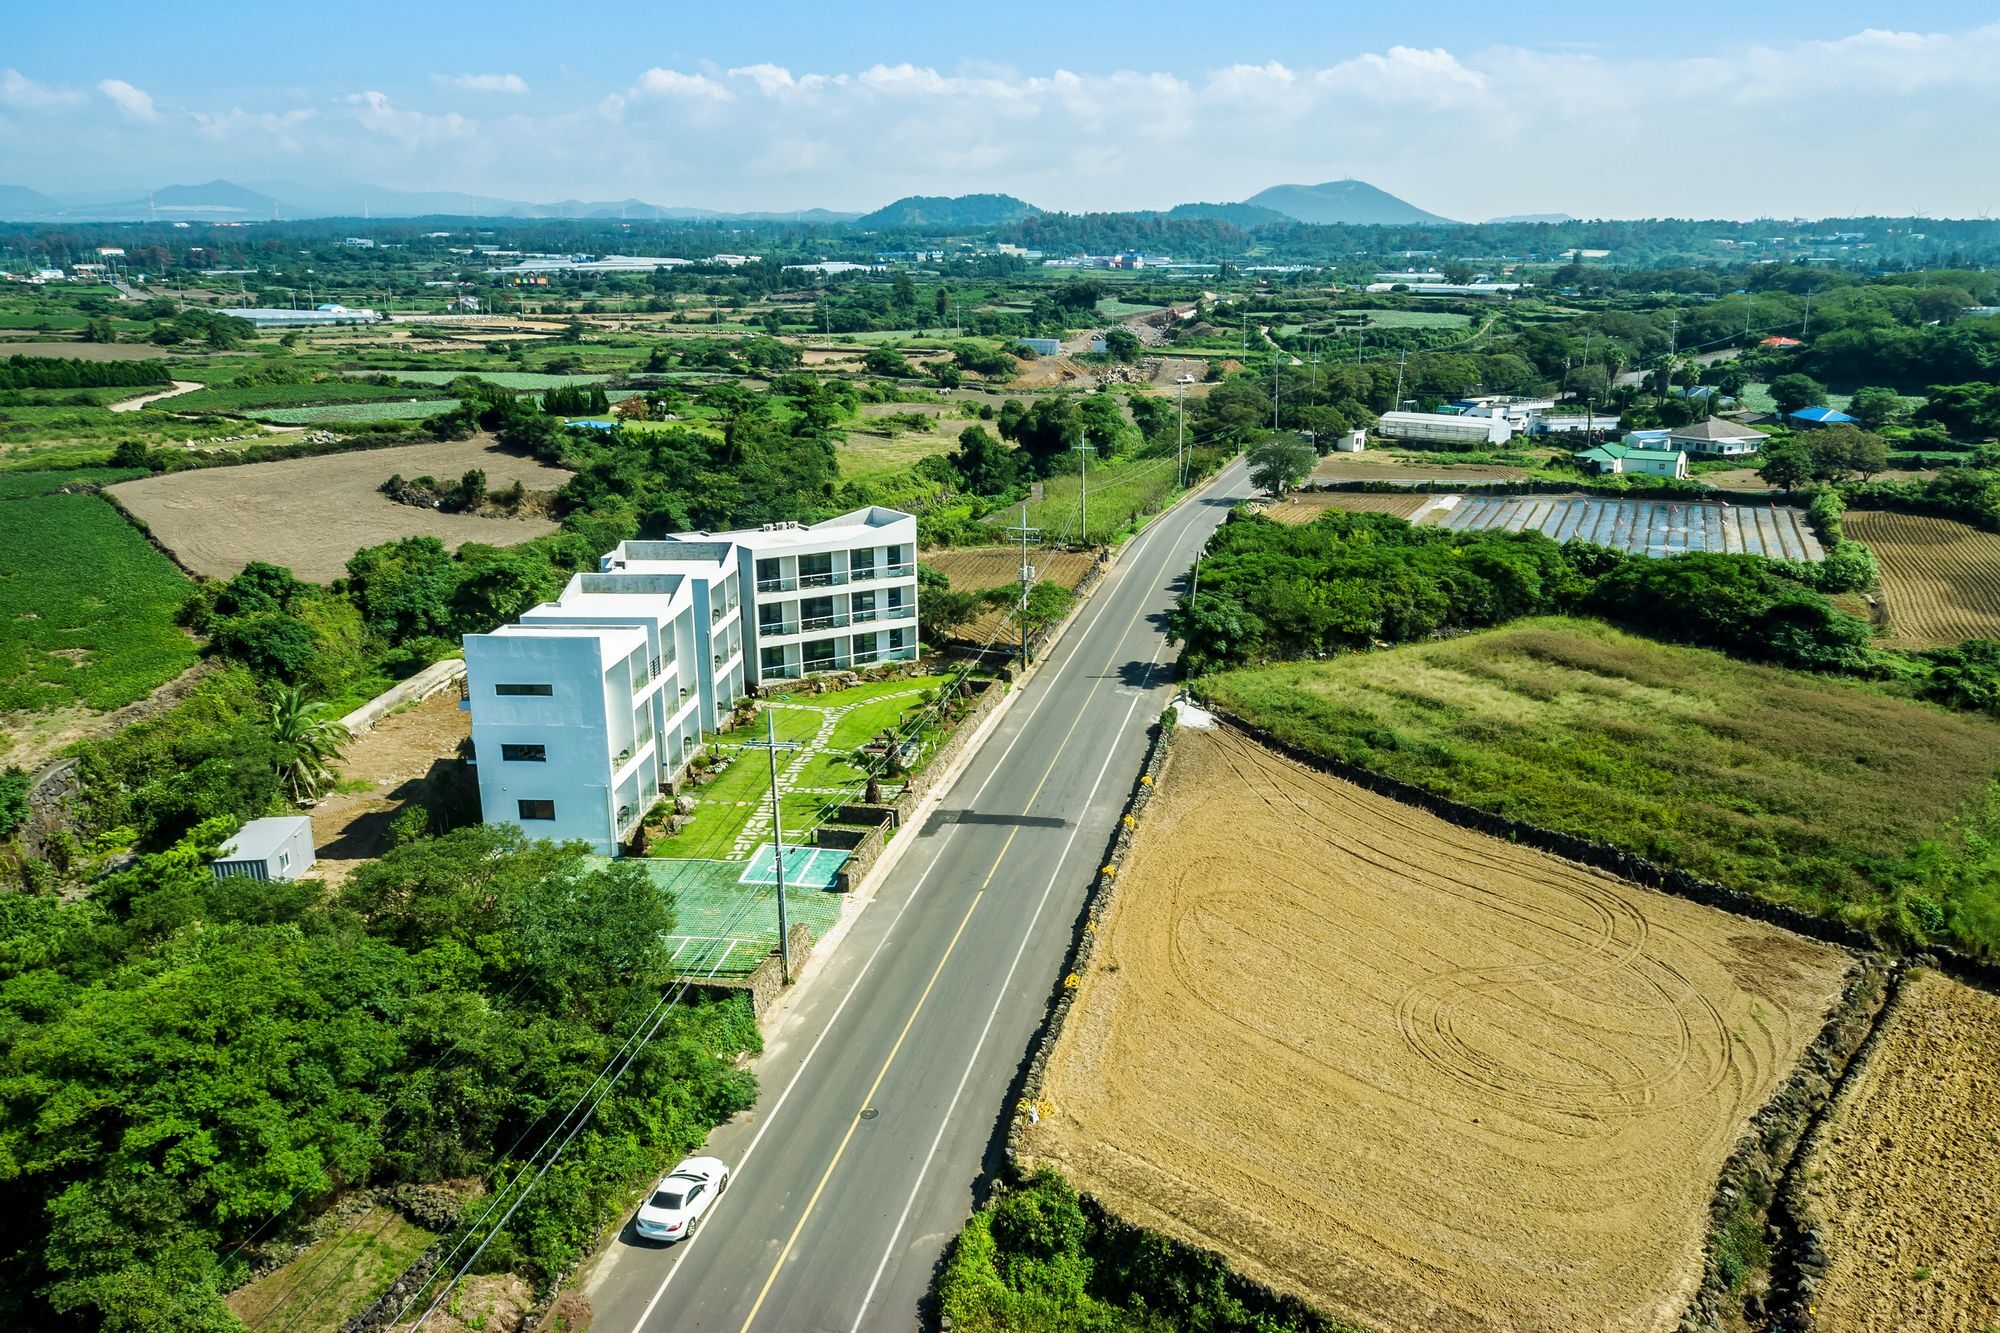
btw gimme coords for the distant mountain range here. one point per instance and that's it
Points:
(1348, 202)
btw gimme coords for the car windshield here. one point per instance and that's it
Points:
(668, 1199)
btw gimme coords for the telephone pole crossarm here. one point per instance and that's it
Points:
(1026, 534)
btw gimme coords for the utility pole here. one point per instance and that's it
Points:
(1180, 438)
(1806, 323)
(1402, 359)
(772, 745)
(1082, 451)
(1275, 354)
(1027, 575)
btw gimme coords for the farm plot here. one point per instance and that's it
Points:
(1305, 506)
(1940, 579)
(1902, 1181)
(1422, 1078)
(407, 409)
(311, 514)
(1647, 527)
(1412, 469)
(977, 568)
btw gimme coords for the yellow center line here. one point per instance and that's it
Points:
(911, 1022)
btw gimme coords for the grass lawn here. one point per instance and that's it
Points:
(1411, 319)
(506, 379)
(817, 721)
(875, 458)
(355, 412)
(333, 1279)
(1119, 494)
(1757, 398)
(86, 603)
(1796, 788)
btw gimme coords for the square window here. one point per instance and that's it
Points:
(525, 754)
(537, 809)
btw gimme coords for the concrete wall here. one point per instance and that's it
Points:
(433, 678)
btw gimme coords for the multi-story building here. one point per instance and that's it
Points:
(590, 706)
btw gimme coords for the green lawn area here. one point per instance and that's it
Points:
(727, 927)
(1110, 307)
(243, 397)
(333, 1279)
(355, 412)
(45, 435)
(1757, 398)
(86, 603)
(506, 379)
(724, 806)
(1799, 789)
(867, 457)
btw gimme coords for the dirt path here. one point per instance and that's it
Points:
(1423, 1078)
(1903, 1180)
(393, 761)
(134, 404)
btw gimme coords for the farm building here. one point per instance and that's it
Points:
(1519, 411)
(1625, 460)
(1716, 438)
(1580, 423)
(1820, 416)
(267, 849)
(1041, 346)
(267, 317)
(1444, 428)
(1351, 442)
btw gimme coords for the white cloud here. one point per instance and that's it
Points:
(135, 103)
(482, 83)
(413, 128)
(279, 128)
(657, 82)
(18, 90)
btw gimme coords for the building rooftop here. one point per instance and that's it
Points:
(259, 838)
(1715, 428)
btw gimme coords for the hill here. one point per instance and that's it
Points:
(1241, 215)
(1349, 202)
(965, 210)
(1529, 217)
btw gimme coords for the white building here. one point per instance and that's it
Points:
(280, 848)
(590, 706)
(1716, 438)
(1445, 428)
(1518, 411)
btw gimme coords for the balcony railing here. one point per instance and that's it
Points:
(776, 585)
(829, 579)
(776, 627)
(873, 572)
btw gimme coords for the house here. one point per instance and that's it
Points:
(1623, 460)
(1717, 438)
(1573, 423)
(1819, 416)
(1445, 428)
(463, 305)
(589, 707)
(1518, 411)
(1655, 439)
(267, 849)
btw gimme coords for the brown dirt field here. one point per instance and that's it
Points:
(1370, 467)
(1903, 1179)
(1422, 1078)
(353, 826)
(1305, 506)
(311, 514)
(84, 351)
(975, 568)
(1940, 579)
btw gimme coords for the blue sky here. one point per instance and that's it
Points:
(1467, 109)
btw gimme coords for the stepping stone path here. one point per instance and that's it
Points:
(758, 830)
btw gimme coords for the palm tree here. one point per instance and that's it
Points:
(307, 742)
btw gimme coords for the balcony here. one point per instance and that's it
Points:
(873, 572)
(777, 585)
(772, 628)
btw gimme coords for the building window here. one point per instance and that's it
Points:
(773, 659)
(525, 754)
(539, 691)
(537, 809)
(284, 860)
(895, 639)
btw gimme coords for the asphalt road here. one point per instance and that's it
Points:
(883, 1094)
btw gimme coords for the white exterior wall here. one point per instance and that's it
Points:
(1443, 428)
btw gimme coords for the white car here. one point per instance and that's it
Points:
(1185, 379)
(678, 1203)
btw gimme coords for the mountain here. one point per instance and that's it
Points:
(965, 210)
(19, 201)
(1242, 215)
(1349, 202)
(1530, 217)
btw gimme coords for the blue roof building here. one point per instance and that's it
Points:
(1820, 416)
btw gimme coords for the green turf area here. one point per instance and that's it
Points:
(725, 928)
(1799, 789)
(1410, 319)
(356, 412)
(86, 604)
(880, 458)
(243, 397)
(335, 1278)
(831, 727)
(56, 435)
(1110, 307)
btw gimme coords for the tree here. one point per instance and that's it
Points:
(307, 743)
(1836, 452)
(1875, 407)
(886, 361)
(1281, 463)
(1796, 392)
(1121, 344)
(984, 464)
(1786, 465)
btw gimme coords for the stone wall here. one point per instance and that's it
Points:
(435, 677)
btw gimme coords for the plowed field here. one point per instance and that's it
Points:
(1305, 506)
(1420, 1077)
(976, 568)
(1903, 1180)
(1940, 579)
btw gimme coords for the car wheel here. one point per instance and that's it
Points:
(723, 1188)
(693, 1222)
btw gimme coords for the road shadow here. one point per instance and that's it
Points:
(945, 818)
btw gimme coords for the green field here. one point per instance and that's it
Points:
(355, 412)
(86, 604)
(1796, 788)
(244, 397)
(333, 1278)
(506, 379)
(1110, 307)
(1411, 319)
(1120, 493)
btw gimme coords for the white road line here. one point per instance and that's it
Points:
(999, 998)
(1096, 612)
